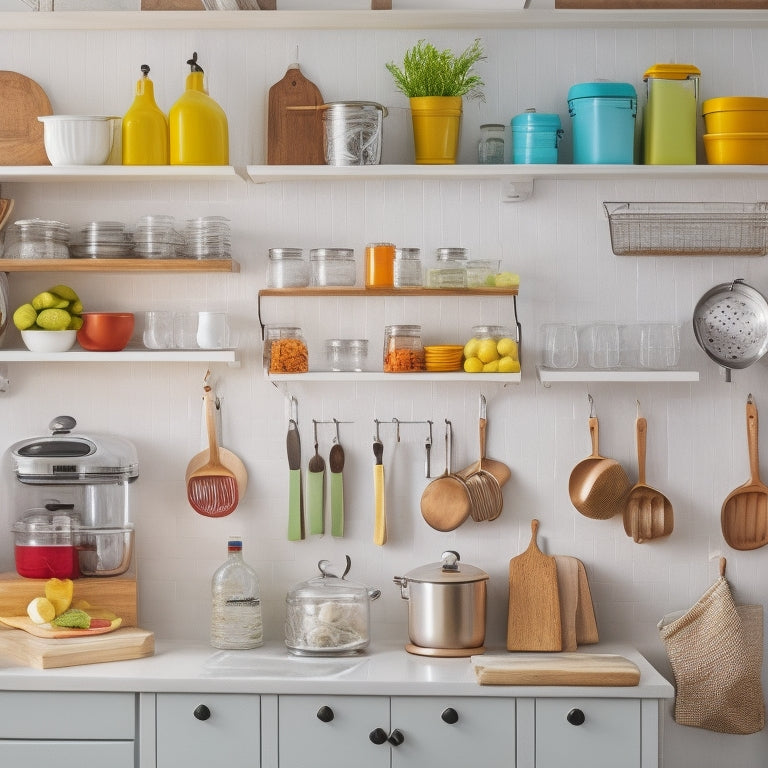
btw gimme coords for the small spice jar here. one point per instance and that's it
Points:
(407, 268)
(285, 350)
(403, 350)
(332, 266)
(379, 265)
(287, 268)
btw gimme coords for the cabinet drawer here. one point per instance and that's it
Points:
(609, 734)
(38, 715)
(67, 754)
(204, 730)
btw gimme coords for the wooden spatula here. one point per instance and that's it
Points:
(534, 605)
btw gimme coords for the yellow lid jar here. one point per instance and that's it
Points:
(199, 134)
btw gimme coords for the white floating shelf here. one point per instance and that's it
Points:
(69, 173)
(126, 356)
(571, 375)
(374, 376)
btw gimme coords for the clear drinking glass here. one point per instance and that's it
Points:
(659, 345)
(559, 345)
(603, 345)
(158, 330)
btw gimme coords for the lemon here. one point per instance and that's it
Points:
(76, 308)
(25, 317)
(486, 351)
(65, 292)
(470, 348)
(507, 280)
(48, 300)
(75, 324)
(507, 348)
(492, 367)
(59, 593)
(509, 365)
(41, 610)
(473, 365)
(54, 319)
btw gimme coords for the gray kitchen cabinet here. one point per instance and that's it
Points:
(42, 729)
(202, 730)
(396, 732)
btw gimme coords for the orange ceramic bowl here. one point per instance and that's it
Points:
(105, 331)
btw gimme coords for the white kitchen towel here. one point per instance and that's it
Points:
(716, 653)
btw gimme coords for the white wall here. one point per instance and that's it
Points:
(558, 242)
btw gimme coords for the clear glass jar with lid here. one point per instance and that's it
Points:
(285, 350)
(37, 239)
(407, 268)
(287, 268)
(403, 349)
(346, 354)
(332, 267)
(449, 268)
(328, 615)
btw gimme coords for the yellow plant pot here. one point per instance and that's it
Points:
(436, 126)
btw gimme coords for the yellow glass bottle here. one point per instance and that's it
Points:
(145, 127)
(199, 132)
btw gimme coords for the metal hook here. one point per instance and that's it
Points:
(638, 408)
(294, 410)
(591, 406)
(397, 432)
(377, 438)
(336, 439)
(314, 427)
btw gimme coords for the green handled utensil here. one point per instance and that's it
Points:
(316, 491)
(295, 498)
(336, 464)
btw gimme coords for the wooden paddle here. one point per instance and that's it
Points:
(212, 489)
(586, 623)
(533, 622)
(21, 133)
(295, 137)
(568, 594)
(744, 515)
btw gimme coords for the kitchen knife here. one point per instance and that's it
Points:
(295, 498)
(380, 518)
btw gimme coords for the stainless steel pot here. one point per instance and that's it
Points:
(446, 604)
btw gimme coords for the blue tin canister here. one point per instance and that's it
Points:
(535, 137)
(603, 122)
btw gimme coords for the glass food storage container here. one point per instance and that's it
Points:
(287, 268)
(346, 354)
(407, 268)
(379, 265)
(37, 239)
(449, 268)
(285, 350)
(332, 266)
(328, 615)
(403, 350)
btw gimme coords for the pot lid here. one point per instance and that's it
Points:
(533, 119)
(329, 586)
(74, 458)
(735, 104)
(602, 89)
(672, 71)
(448, 571)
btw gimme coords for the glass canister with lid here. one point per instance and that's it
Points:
(287, 268)
(332, 267)
(403, 349)
(407, 268)
(285, 350)
(328, 615)
(449, 268)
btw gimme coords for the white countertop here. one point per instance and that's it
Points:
(385, 670)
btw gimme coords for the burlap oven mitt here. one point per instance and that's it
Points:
(716, 652)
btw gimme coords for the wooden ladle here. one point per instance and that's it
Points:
(648, 513)
(744, 516)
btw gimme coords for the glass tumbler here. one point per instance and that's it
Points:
(659, 345)
(603, 345)
(559, 345)
(158, 330)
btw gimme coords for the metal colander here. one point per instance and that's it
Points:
(730, 323)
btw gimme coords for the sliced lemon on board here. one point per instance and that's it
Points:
(41, 610)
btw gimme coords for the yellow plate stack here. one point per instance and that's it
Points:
(443, 357)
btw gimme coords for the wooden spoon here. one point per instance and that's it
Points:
(648, 513)
(744, 515)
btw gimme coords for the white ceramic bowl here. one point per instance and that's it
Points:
(78, 139)
(48, 341)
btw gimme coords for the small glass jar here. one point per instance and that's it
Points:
(332, 266)
(407, 268)
(490, 148)
(495, 332)
(449, 269)
(346, 354)
(403, 350)
(285, 350)
(287, 268)
(379, 265)
(482, 273)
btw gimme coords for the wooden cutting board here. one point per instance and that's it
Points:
(556, 669)
(586, 623)
(120, 645)
(295, 137)
(53, 633)
(568, 594)
(21, 133)
(534, 605)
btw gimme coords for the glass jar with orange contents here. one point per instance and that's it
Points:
(403, 350)
(285, 350)
(379, 265)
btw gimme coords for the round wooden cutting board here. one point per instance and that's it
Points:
(21, 133)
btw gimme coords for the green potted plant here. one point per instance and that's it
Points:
(436, 83)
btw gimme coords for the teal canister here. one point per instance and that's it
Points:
(603, 115)
(535, 137)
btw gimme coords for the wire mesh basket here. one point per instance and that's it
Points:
(688, 229)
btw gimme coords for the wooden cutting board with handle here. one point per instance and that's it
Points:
(21, 133)
(586, 623)
(534, 605)
(295, 136)
(568, 594)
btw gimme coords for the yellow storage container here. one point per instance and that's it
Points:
(736, 114)
(736, 148)
(145, 127)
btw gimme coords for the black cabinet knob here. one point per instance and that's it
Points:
(450, 716)
(378, 736)
(202, 712)
(325, 714)
(575, 717)
(396, 738)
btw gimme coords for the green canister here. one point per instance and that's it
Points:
(671, 114)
